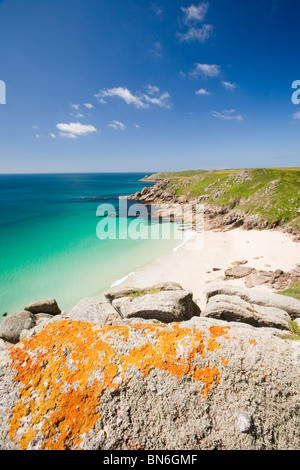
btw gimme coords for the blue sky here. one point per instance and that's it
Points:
(142, 85)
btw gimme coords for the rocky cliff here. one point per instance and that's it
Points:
(251, 198)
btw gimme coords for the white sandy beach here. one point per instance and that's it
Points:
(191, 265)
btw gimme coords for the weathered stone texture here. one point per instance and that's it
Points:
(200, 384)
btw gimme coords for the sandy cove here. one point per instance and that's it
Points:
(192, 264)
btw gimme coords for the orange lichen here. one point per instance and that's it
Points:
(253, 341)
(64, 370)
(224, 361)
(217, 331)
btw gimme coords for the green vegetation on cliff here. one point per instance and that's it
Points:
(271, 193)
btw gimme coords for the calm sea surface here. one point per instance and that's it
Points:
(48, 241)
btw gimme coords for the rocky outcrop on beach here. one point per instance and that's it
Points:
(87, 310)
(163, 302)
(154, 377)
(277, 280)
(235, 308)
(14, 326)
(44, 306)
(259, 298)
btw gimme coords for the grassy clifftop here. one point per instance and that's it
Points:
(273, 194)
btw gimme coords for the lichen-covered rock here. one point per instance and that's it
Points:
(12, 325)
(165, 306)
(44, 306)
(201, 384)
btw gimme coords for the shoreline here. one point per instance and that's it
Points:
(201, 261)
(222, 236)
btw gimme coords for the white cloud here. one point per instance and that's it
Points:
(75, 129)
(162, 100)
(229, 86)
(206, 70)
(151, 90)
(88, 105)
(122, 93)
(194, 14)
(53, 135)
(296, 115)
(227, 114)
(152, 97)
(78, 115)
(196, 34)
(203, 91)
(69, 135)
(117, 125)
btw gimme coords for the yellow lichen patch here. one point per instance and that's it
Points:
(64, 370)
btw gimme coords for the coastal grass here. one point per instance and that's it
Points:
(142, 292)
(295, 332)
(292, 291)
(271, 193)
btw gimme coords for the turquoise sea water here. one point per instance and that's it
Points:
(48, 241)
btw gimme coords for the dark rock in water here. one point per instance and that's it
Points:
(12, 325)
(44, 306)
